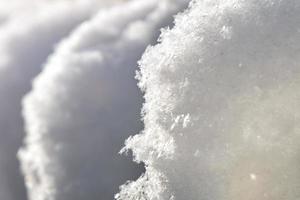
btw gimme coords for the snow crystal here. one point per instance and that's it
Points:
(241, 61)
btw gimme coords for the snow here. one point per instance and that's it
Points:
(221, 110)
(86, 102)
(27, 37)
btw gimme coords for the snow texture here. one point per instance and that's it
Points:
(27, 36)
(222, 111)
(86, 102)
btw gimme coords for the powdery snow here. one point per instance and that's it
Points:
(86, 102)
(222, 109)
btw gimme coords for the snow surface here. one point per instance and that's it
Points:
(26, 39)
(86, 102)
(222, 111)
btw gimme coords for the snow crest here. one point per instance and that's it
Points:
(222, 109)
(86, 102)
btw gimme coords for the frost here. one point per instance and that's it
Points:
(86, 102)
(241, 137)
(226, 32)
(143, 188)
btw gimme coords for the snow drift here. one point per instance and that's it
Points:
(27, 36)
(222, 109)
(86, 102)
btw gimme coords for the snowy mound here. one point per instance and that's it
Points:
(222, 111)
(86, 102)
(27, 37)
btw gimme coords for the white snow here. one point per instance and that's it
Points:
(232, 67)
(86, 102)
(27, 36)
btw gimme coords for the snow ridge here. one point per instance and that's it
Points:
(222, 105)
(86, 102)
(27, 36)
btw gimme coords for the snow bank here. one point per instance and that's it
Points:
(222, 109)
(86, 103)
(26, 39)
(16, 9)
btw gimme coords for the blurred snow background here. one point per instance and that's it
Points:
(28, 34)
